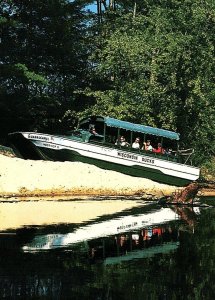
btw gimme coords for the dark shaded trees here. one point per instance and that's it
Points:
(43, 60)
(144, 61)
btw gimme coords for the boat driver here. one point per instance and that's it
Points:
(93, 130)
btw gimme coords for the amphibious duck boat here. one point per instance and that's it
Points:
(100, 148)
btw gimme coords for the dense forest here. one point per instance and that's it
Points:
(144, 61)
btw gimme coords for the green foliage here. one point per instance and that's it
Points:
(43, 60)
(22, 70)
(157, 68)
(208, 169)
(145, 61)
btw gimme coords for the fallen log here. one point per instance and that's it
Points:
(188, 194)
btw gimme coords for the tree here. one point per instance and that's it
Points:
(157, 68)
(43, 60)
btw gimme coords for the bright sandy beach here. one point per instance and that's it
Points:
(28, 178)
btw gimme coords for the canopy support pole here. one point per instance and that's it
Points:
(104, 133)
(131, 138)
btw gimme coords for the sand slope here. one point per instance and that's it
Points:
(35, 178)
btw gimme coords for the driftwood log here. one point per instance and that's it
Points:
(188, 194)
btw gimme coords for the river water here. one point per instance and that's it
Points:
(106, 249)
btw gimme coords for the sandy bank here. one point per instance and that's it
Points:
(20, 177)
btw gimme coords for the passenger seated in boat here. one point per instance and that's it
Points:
(136, 143)
(169, 152)
(122, 142)
(147, 146)
(159, 149)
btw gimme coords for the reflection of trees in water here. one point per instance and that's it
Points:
(186, 214)
(56, 274)
(50, 275)
(187, 273)
(30, 286)
(195, 258)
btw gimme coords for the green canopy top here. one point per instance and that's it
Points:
(111, 122)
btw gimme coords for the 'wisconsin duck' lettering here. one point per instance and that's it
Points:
(148, 160)
(127, 155)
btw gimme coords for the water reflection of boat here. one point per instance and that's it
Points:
(101, 229)
(141, 243)
(143, 253)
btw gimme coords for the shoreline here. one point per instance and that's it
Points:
(84, 195)
(29, 179)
